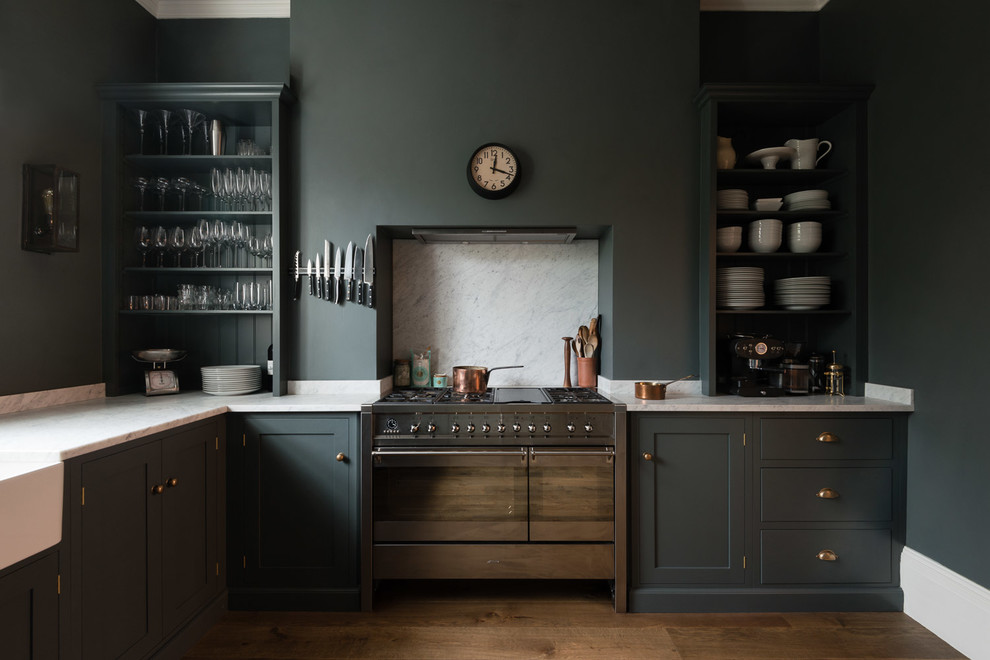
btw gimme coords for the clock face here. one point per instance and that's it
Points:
(161, 381)
(493, 171)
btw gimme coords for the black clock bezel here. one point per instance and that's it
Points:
(502, 192)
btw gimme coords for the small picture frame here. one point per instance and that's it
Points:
(50, 209)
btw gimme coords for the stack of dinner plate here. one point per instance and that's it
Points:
(739, 287)
(803, 293)
(807, 200)
(231, 379)
(732, 199)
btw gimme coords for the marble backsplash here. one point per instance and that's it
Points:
(493, 305)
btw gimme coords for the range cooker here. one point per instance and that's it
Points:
(515, 483)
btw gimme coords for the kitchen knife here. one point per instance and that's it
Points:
(297, 285)
(349, 272)
(337, 276)
(359, 275)
(369, 272)
(326, 270)
(319, 277)
(309, 272)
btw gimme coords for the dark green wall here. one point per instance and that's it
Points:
(929, 145)
(53, 54)
(223, 50)
(597, 97)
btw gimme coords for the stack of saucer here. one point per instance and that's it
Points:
(803, 293)
(732, 199)
(807, 200)
(739, 287)
(231, 379)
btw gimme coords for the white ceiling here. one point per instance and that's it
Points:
(165, 9)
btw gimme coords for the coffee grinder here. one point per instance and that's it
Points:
(753, 360)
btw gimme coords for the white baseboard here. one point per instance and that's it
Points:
(952, 607)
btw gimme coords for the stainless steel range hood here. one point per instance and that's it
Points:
(536, 235)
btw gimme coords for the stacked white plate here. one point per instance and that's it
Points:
(231, 379)
(803, 293)
(739, 287)
(807, 200)
(732, 198)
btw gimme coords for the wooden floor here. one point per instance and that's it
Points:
(495, 620)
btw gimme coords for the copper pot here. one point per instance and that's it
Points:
(474, 380)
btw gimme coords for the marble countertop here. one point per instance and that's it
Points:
(676, 402)
(62, 432)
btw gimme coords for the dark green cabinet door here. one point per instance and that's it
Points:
(29, 611)
(120, 554)
(189, 522)
(688, 500)
(294, 498)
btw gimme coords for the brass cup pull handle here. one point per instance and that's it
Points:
(341, 458)
(827, 555)
(172, 483)
(827, 494)
(647, 456)
(157, 489)
(827, 437)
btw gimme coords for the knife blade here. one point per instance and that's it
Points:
(369, 272)
(297, 285)
(359, 275)
(349, 272)
(309, 272)
(337, 276)
(319, 277)
(326, 270)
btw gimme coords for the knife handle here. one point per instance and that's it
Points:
(369, 295)
(360, 292)
(338, 291)
(319, 286)
(296, 287)
(349, 294)
(312, 283)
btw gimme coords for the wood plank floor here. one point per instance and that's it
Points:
(499, 620)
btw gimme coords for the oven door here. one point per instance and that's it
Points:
(424, 494)
(572, 494)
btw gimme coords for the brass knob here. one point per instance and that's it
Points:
(827, 494)
(157, 489)
(827, 555)
(341, 457)
(171, 483)
(647, 456)
(827, 437)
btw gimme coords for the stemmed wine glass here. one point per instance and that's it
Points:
(160, 242)
(195, 247)
(164, 119)
(141, 117)
(265, 181)
(218, 234)
(202, 230)
(143, 238)
(267, 248)
(141, 184)
(229, 188)
(254, 189)
(177, 243)
(240, 183)
(191, 119)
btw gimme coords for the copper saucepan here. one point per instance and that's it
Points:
(474, 380)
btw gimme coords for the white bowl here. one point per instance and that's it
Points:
(768, 204)
(771, 155)
(804, 237)
(728, 239)
(765, 235)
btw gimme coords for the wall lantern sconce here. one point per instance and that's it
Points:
(50, 209)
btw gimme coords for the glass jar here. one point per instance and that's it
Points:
(401, 373)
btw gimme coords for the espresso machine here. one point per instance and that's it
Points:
(753, 362)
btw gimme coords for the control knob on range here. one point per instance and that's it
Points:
(570, 427)
(517, 427)
(455, 427)
(431, 427)
(501, 427)
(532, 428)
(546, 427)
(470, 428)
(414, 428)
(486, 427)
(588, 428)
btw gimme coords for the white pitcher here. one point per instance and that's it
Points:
(807, 155)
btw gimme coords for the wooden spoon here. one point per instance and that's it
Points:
(592, 345)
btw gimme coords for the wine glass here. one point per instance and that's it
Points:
(190, 120)
(239, 237)
(254, 189)
(229, 188)
(141, 184)
(265, 180)
(240, 182)
(177, 243)
(196, 246)
(267, 248)
(254, 247)
(164, 118)
(143, 238)
(216, 184)
(160, 187)
(141, 117)
(203, 230)
(218, 234)
(160, 241)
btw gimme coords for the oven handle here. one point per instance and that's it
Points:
(448, 452)
(608, 451)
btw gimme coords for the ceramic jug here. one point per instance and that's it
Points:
(725, 155)
(807, 155)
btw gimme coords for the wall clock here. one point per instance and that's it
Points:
(493, 171)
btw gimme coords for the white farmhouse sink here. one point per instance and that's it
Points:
(30, 509)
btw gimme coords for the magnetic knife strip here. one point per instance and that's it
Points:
(351, 278)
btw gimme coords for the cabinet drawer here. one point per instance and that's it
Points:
(847, 438)
(825, 494)
(790, 556)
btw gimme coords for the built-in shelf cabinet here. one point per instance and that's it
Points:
(254, 112)
(760, 116)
